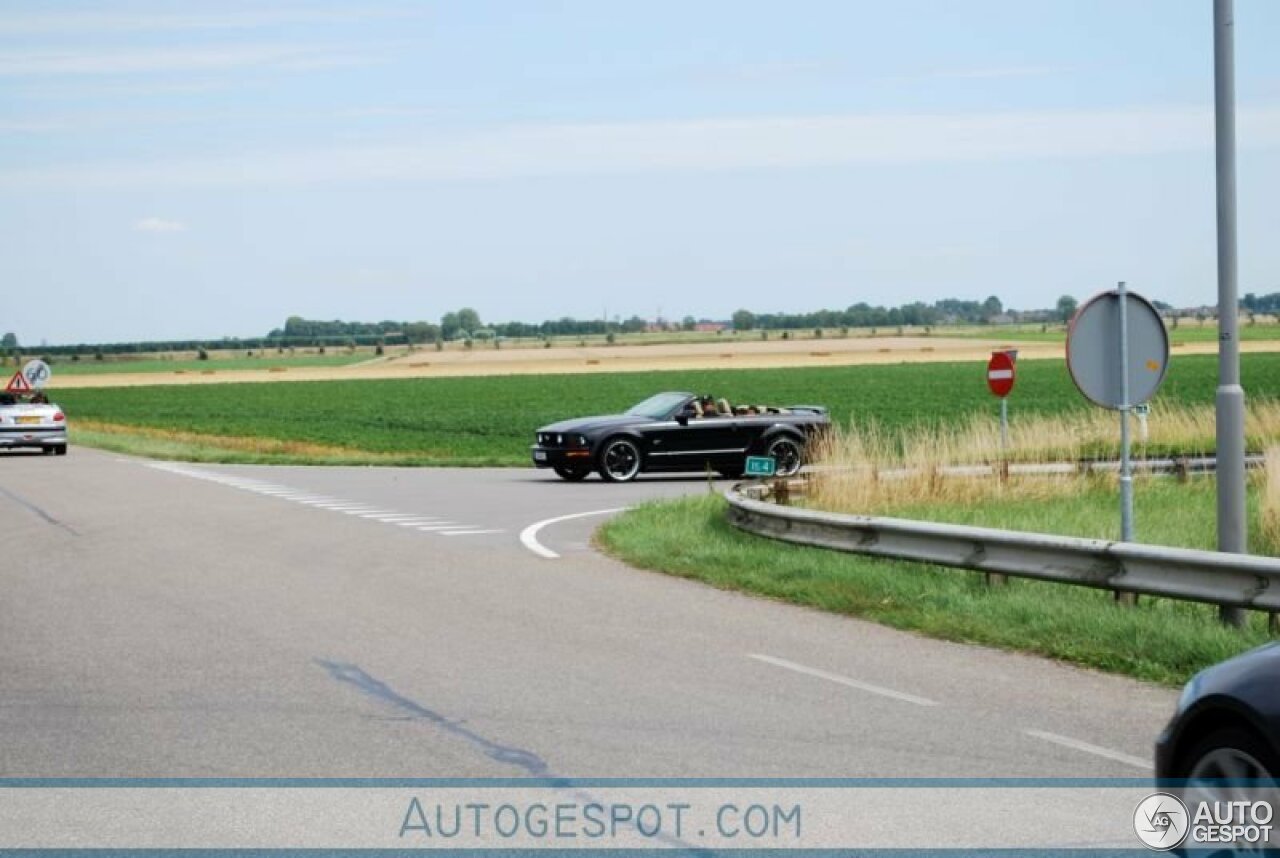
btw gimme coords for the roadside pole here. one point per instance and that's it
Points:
(1232, 524)
(1126, 464)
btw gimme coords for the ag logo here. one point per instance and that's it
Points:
(1161, 822)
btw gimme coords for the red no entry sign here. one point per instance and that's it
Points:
(1000, 373)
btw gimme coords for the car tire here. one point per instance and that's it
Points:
(619, 460)
(788, 452)
(60, 450)
(1232, 753)
(573, 475)
(48, 451)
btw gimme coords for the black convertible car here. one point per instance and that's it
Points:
(679, 432)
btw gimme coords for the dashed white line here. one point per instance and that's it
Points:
(429, 523)
(843, 680)
(529, 536)
(1096, 750)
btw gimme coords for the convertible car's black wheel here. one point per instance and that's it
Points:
(619, 460)
(788, 453)
(573, 475)
(1232, 754)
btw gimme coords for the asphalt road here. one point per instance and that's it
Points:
(192, 620)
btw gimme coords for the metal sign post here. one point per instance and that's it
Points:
(1000, 378)
(1126, 465)
(1232, 520)
(1117, 353)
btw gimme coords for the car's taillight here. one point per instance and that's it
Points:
(59, 417)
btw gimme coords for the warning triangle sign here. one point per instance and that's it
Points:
(18, 384)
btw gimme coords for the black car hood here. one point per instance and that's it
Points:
(587, 425)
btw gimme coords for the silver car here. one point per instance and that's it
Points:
(32, 422)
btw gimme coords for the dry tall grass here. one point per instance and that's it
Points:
(868, 469)
(1270, 503)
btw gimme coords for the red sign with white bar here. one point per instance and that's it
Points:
(1000, 373)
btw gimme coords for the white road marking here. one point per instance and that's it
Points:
(529, 536)
(1097, 751)
(429, 523)
(844, 680)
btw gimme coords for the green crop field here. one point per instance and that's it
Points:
(490, 420)
(193, 365)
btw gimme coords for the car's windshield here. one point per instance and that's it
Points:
(659, 406)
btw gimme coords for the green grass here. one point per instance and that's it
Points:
(192, 365)
(490, 420)
(1159, 640)
(1188, 331)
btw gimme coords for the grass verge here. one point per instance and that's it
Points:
(1159, 640)
(172, 445)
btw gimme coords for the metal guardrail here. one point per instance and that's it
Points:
(1237, 580)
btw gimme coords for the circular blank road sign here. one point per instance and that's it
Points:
(1093, 349)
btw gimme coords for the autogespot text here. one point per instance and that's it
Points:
(596, 821)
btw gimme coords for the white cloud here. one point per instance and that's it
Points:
(100, 22)
(778, 142)
(159, 224)
(221, 58)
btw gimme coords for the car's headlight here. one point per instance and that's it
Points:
(580, 440)
(1189, 693)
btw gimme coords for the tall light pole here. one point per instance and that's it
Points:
(1232, 524)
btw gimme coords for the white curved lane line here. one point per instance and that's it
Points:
(1096, 750)
(529, 536)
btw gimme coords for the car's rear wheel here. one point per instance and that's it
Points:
(48, 451)
(60, 449)
(573, 475)
(619, 460)
(787, 453)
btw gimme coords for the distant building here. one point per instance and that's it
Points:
(711, 327)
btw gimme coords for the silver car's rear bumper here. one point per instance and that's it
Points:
(34, 436)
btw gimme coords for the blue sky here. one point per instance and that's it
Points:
(174, 170)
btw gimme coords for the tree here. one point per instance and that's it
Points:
(688, 323)
(744, 320)
(991, 308)
(9, 341)
(468, 320)
(1067, 307)
(449, 326)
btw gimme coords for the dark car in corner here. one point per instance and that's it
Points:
(1227, 722)
(679, 432)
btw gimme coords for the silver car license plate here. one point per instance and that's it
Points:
(539, 455)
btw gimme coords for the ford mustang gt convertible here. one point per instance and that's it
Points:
(679, 432)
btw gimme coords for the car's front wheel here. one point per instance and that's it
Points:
(787, 453)
(573, 475)
(1232, 754)
(619, 460)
